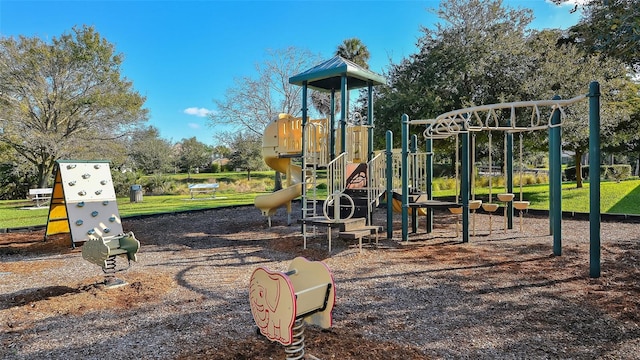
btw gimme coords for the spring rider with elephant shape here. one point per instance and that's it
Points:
(283, 302)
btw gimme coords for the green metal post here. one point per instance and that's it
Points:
(551, 183)
(414, 179)
(464, 186)
(332, 126)
(405, 177)
(509, 184)
(429, 174)
(343, 114)
(370, 118)
(555, 180)
(304, 123)
(594, 180)
(389, 155)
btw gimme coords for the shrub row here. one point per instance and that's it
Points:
(497, 181)
(163, 184)
(608, 172)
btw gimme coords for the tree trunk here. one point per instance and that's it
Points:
(277, 181)
(44, 171)
(248, 175)
(42, 176)
(578, 162)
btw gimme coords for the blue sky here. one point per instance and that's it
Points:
(183, 54)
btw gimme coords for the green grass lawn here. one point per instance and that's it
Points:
(14, 215)
(616, 198)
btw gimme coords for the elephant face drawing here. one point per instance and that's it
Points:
(273, 306)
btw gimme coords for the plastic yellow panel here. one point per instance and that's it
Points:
(84, 201)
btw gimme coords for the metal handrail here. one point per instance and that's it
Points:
(377, 181)
(336, 174)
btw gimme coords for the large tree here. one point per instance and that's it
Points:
(483, 53)
(246, 152)
(474, 55)
(193, 155)
(149, 152)
(610, 28)
(562, 68)
(61, 98)
(256, 100)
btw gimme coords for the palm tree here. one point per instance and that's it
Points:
(322, 102)
(354, 50)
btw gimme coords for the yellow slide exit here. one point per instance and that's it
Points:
(281, 137)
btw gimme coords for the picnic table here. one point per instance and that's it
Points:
(40, 195)
(203, 188)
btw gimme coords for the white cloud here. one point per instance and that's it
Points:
(569, 2)
(199, 112)
(193, 126)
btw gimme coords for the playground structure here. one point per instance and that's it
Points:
(83, 205)
(282, 303)
(511, 118)
(282, 143)
(299, 147)
(317, 144)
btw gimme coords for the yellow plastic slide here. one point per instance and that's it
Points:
(269, 203)
(271, 151)
(397, 204)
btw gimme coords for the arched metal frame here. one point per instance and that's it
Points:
(485, 117)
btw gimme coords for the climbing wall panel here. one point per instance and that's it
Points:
(87, 182)
(89, 200)
(98, 218)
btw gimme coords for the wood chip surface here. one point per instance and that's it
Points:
(500, 296)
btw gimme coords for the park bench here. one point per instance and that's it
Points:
(40, 196)
(203, 188)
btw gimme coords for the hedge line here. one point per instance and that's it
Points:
(608, 172)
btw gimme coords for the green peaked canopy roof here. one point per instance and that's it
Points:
(327, 75)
